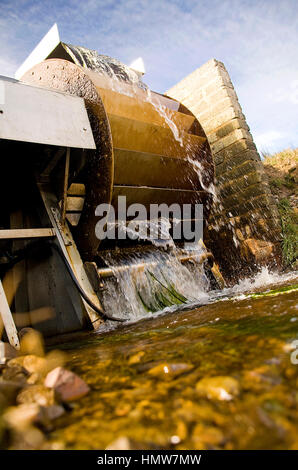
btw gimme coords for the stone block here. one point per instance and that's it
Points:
(213, 121)
(239, 159)
(226, 128)
(244, 168)
(230, 139)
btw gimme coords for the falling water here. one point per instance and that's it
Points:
(151, 282)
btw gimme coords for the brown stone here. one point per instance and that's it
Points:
(39, 394)
(31, 342)
(226, 128)
(22, 416)
(15, 373)
(66, 384)
(9, 390)
(168, 371)
(218, 388)
(261, 250)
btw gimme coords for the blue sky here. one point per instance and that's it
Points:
(257, 40)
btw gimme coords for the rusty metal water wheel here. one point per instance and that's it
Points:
(91, 167)
(138, 154)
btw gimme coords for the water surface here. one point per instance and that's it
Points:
(144, 376)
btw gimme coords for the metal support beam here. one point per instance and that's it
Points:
(65, 187)
(13, 234)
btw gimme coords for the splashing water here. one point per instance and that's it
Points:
(152, 281)
(166, 114)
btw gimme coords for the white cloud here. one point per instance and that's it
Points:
(269, 140)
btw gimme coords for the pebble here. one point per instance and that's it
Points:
(39, 394)
(22, 416)
(135, 358)
(15, 373)
(9, 390)
(218, 388)
(31, 342)
(68, 385)
(168, 371)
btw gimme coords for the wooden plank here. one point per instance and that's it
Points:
(76, 189)
(72, 255)
(131, 134)
(65, 186)
(7, 320)
(51, 165)
(19, 269)
(27, 233)
(73, 218)
(74, 204)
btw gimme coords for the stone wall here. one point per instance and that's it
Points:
(244, 228)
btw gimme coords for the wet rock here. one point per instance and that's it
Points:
(218, 388)
(34, 379)
(207, 435)
(31, 363)
(39, 394)
(7, 352)
(54, 359)
(66, 384)
(122, 443)
(259, 249)
(15, 373)
(3, 401)
(123, 409)
(31, 342)
(261, 377)
(9, 390)
(168, 371)
(125, 443)
(47, 415)
(181, 432)
(136, 358)
(53, 412)
(39, 366)
(21, 417)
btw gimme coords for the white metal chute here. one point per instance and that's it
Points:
(43, 116)
(41, 51)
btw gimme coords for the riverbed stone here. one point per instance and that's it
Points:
(15, 373)
(39, 394)
(22, 416)
(223, 388)
(168, 371)
(136, 358)
(68, 385)
(31, 342)
(9, 390)
(208, 435)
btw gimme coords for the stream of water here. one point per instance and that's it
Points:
(215, 376)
